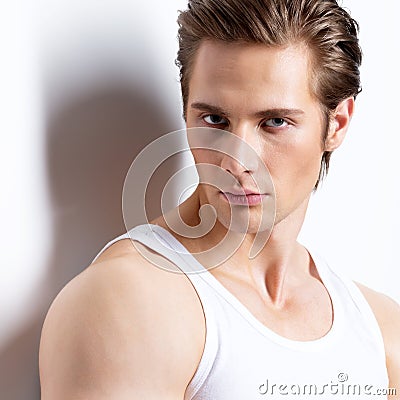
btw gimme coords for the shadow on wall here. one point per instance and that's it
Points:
(91, 143)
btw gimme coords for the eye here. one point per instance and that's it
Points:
(275, 123)
(214, 119)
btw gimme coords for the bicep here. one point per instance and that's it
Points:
(112, 339)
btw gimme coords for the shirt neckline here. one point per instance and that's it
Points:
(322, 269)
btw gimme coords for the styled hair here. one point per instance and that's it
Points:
(327, 29)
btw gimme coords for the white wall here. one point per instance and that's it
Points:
(354, 219)
(84, 86)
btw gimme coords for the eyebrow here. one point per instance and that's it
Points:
(273, 112)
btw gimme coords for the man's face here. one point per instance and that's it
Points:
(261, 95)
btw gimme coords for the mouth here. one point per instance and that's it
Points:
(246, 198)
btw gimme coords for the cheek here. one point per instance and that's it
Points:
(294, 165)
(204, 156)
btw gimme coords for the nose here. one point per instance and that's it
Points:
(240, 151)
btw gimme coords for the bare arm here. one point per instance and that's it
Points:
(387, 312)
(121, 330)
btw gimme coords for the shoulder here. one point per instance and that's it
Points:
(386, 310)
(387, 313)
(122, 327)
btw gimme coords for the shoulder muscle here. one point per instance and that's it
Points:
(121, 329)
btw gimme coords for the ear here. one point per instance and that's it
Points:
(339, 124)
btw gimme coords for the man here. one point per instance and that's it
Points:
(281, 76)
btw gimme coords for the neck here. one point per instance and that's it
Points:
(281, 261)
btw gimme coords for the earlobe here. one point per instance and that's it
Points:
(339, 124)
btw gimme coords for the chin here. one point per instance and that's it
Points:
(246, 224)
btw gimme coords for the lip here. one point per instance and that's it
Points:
(242, 192)
(250, 198)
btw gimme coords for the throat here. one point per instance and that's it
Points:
(275, 290)
(300, 311)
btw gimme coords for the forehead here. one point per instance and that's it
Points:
(251, 75)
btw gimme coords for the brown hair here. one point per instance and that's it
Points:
(326, 28)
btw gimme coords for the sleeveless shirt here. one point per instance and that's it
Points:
(245, 360)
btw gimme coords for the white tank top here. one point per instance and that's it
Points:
(244, 360)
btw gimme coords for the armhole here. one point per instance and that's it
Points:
(366, 311)
(211, 341)
(202, 291)
(210, 348)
